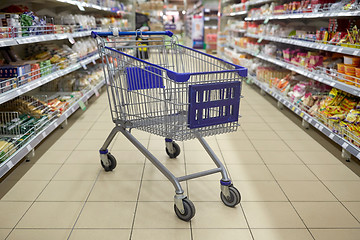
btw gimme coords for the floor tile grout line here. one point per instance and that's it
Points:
(283, 190)
(139, 191)
(83, 205)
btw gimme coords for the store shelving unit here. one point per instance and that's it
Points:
(43, 36)
(258, 2)
(306, 15)
(42, 134)
(345, 144)
(313, 75)
(242, 13)
(308, 44)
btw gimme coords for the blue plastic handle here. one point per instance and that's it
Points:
(105, 34)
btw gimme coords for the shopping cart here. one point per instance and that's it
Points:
(177, 93)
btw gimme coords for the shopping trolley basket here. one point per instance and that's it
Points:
(177, 93)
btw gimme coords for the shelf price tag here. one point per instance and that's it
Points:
(96, 92)
(266, 20)
(331, 136)
(80, 6)
(9, 164)
(93, 61)
(260, 40)
(82, 105)
(83, 65)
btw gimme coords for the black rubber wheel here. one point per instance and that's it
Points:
(177, 150)
(189, 210)
(234, 198)
(112, 163)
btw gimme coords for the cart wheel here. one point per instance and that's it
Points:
(234, 198)
(189, 210)
(177, 150)
(112, 165)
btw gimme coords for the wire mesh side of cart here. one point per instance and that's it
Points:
(166, 93)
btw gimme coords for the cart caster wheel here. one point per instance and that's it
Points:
(234, 198)
(176, 148)
(112, 161)
(189, 212)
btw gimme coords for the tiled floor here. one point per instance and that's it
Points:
(292, 188)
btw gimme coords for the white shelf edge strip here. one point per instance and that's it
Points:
(42, 38)
(6, 96)
(83, 4)
(354, 150)
(320, 46)
(317, 77)
(306, 15)
(34, 141)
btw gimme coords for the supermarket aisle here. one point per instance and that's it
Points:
(292, 188)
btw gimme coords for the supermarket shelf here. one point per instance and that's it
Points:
(258, 2)
(306, 15)
(354, 150)
(210, 18)
(32, 143)
(313, 75)
(313, 45)
(238, 30)
(6, 96)
(42, 38)
(236, 14)
(83, 5)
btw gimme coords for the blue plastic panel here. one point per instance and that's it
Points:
(213, 104)
(138, 78)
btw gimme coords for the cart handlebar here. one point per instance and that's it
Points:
(134, 33)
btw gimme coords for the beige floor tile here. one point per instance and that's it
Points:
(122, 144)
(141, 135)
(305, 145)
(96, 234)
(232, 136)
(251, 119)
(104, 126)
(354, 208)
(260, 191)
(249, 172)
(289, 125)
(217, 215)
(39, 234)
(90, 145)
(84, 157)
(291, 172)
(320, 157)
(158, 215)
(74, 134)
(255, 127)
(262, 135)
(156, 191)
(325, 215)
(51, 215)
(129, 157)
(161, 234)
(336, 234)
(202, 167)
(4, 233)
(306, 191)
(152, 173)
(65, 144)
(122, 172)
(41, 172)
(271, 215)
(78, 172)
(82, 125)
(106, 215)
(270, 145)
(204, 191)
(199, 157)
(333, 172)
(345, 190)
(231, 145)
(11, 212)
(25, 191)
(66, 191)
(294, 135)
(280, 157)
(220, 234)
(195, 145)
(54, 157)
(97, 134)
(281, 234)
(19, 171)
(114, 191)
(276, 119)
(242, 157)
